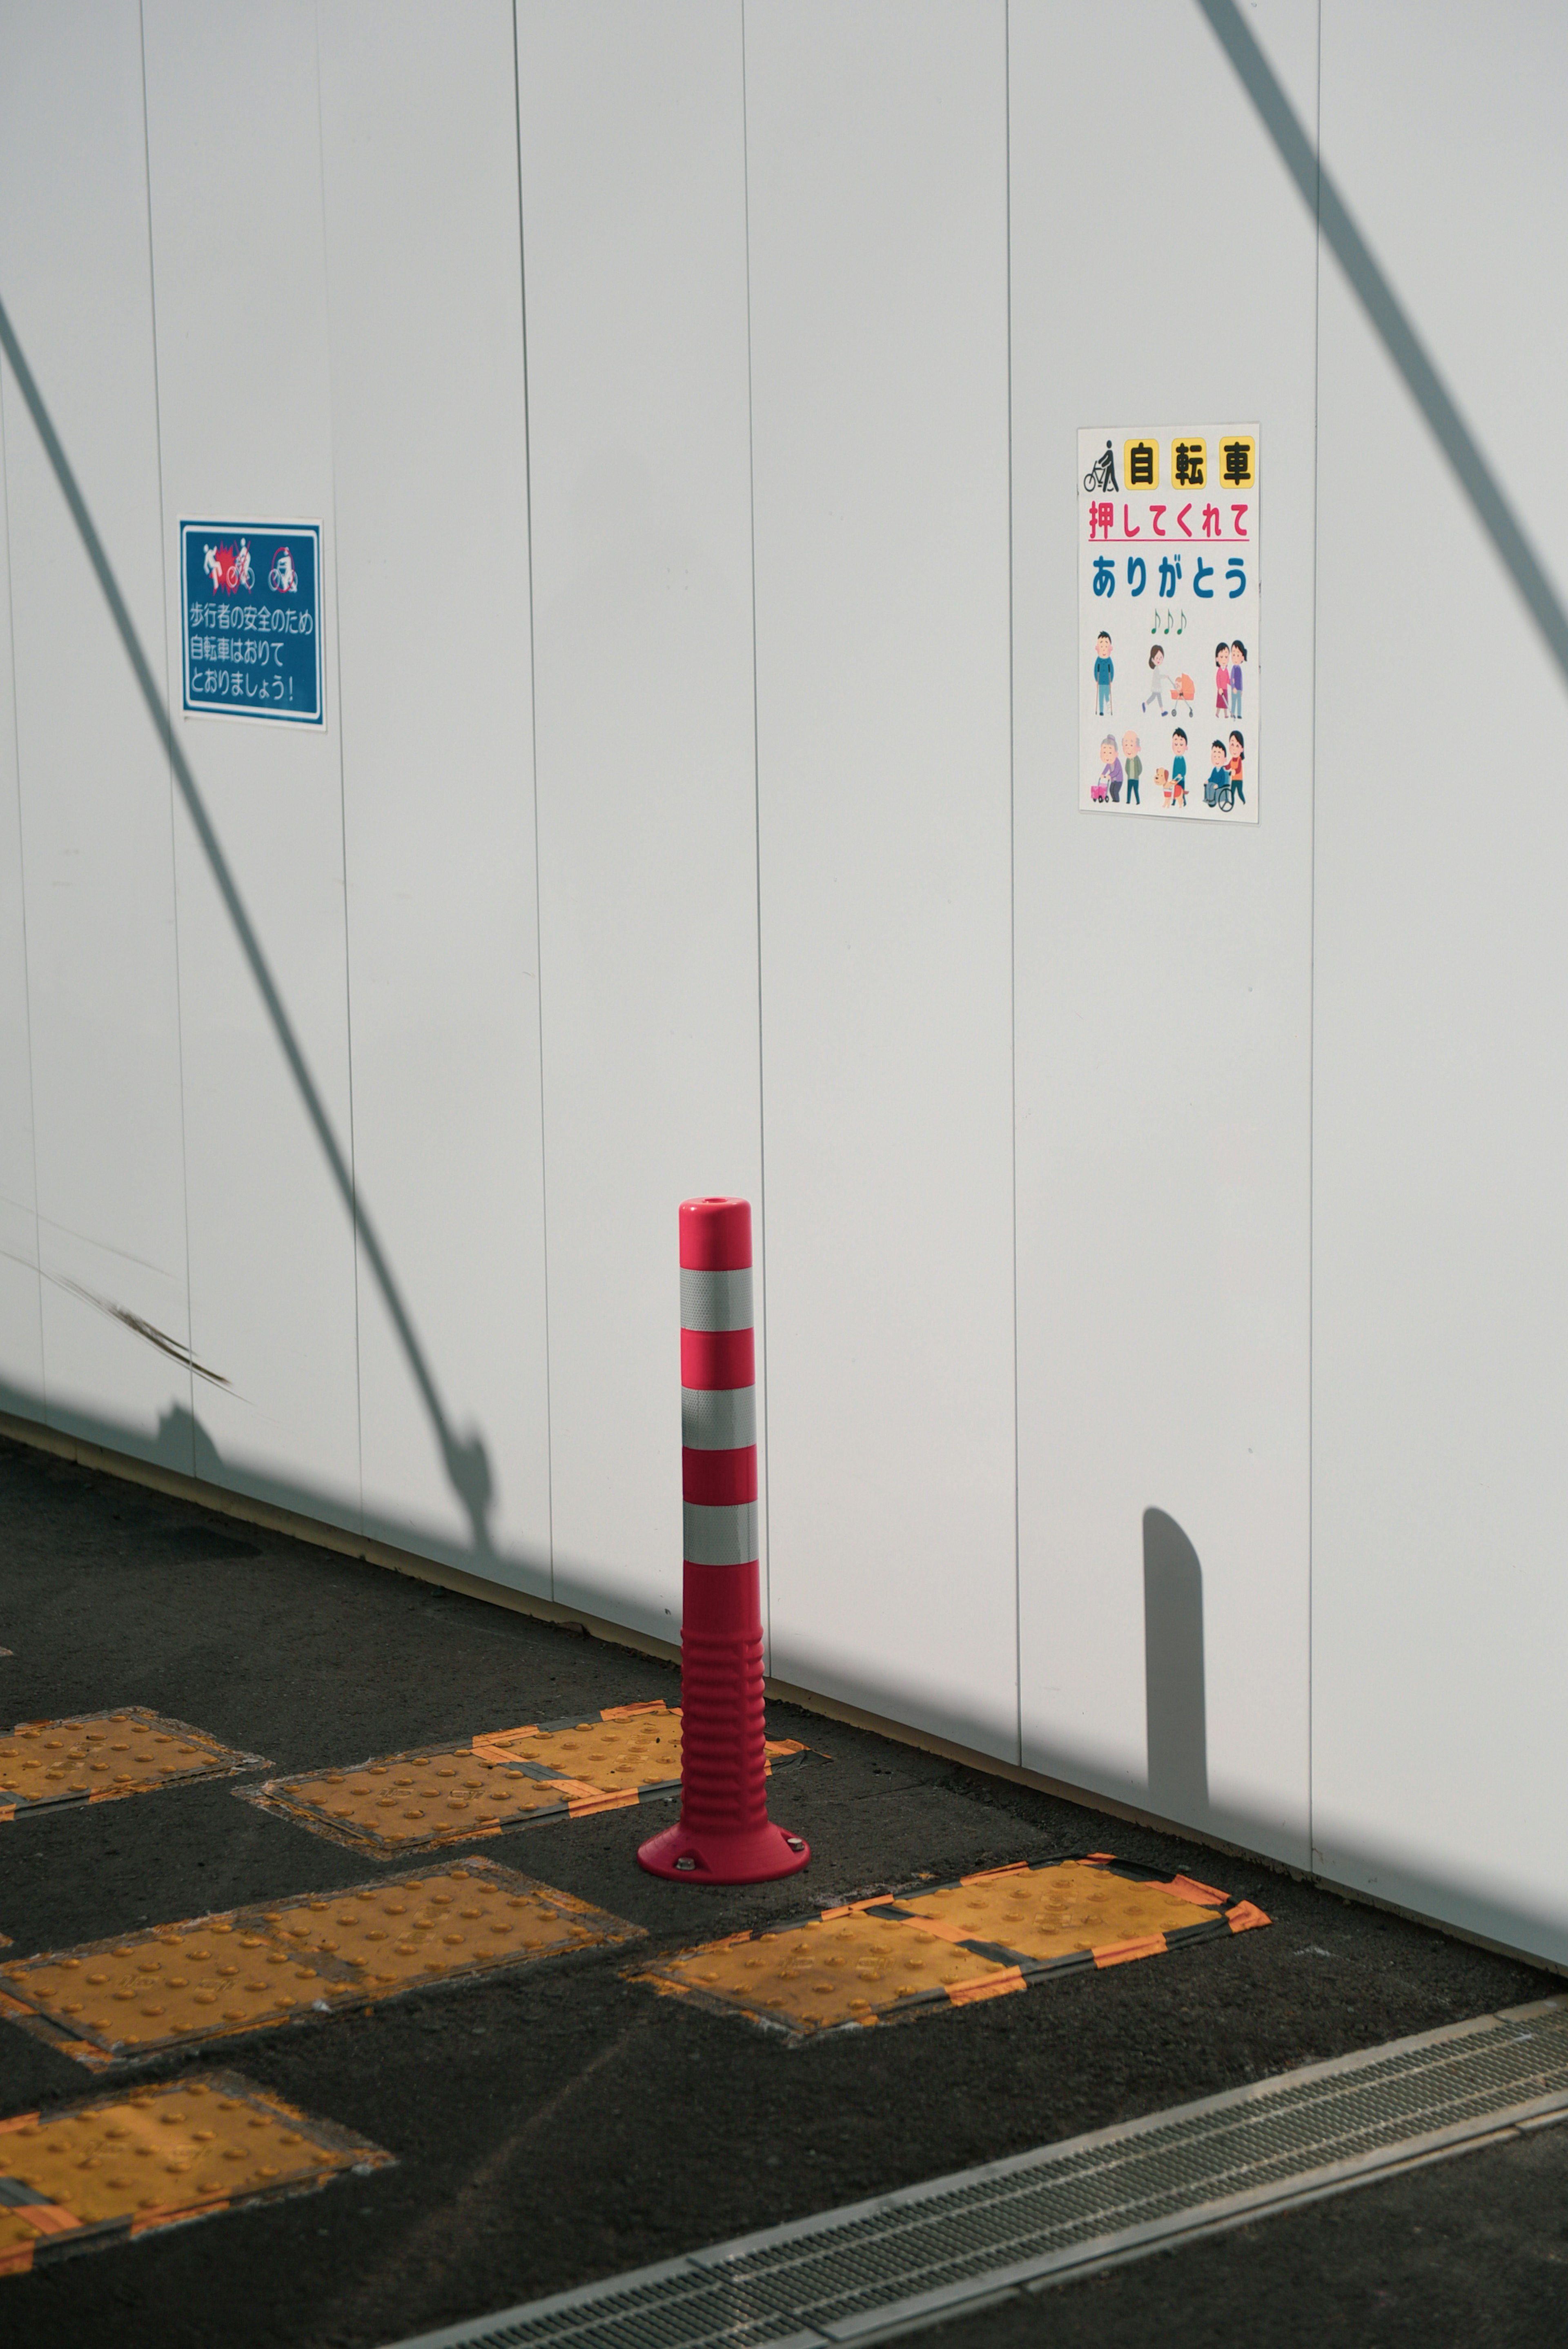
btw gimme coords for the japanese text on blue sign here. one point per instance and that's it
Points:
(253, 620)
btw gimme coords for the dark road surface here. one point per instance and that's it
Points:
(562, 2123)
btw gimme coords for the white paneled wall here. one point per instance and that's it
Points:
(419, 133)
(635, 244)
(244, 404)
(1440, 1125)
(96, 849)
(688, 392)
(876, 150)
(1163, 975)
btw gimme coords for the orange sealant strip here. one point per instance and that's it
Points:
(1121, 1953)
(626, 1711)
(988, 1986)
(46, 2218)
(989, 1875)
(18, 2262)
(586, 1805)
(168, 2211)
(17, 2120)
(1202, 1896)
(1245, 1915)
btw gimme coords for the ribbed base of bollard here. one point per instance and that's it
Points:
(720, 1856)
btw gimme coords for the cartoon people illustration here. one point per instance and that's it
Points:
(1237, 753)
(244, 577)
(1104, 670)
(1179, 765)
(1238, 655)
(1221, 680)
(1132, 767)
(1181, 692)
(1155, 680)
(1216, 783)
(1111, 768)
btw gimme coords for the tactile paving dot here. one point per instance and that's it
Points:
(95, 2171)
(214, 1975)
(621, 1751)
(452, 1795)
(403, 1803)
(983, 1938)
(95, 1757)
(825, 1971)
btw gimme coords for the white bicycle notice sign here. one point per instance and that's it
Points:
(1168, 653)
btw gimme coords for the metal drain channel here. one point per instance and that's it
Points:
(874, 2268)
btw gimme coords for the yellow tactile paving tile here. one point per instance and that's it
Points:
(96, 1757)
(113, 2167)
(983, 1937)
(251, 1968)
(403, 1803)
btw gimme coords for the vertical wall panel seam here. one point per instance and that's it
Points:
(534, 753)
(22, 896)
(342, 793)
(762, 1251)
(1012, 880)
(1311, 959)
(168, 764)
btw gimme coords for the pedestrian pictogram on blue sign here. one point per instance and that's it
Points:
(253, 620)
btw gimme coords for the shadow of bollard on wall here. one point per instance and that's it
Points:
(1176, 1710)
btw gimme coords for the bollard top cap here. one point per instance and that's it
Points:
(715, 1234)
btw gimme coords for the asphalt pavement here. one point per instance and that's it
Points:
(561, 2122)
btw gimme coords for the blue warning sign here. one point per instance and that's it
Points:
(253, 620)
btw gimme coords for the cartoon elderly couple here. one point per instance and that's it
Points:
(1114, 772)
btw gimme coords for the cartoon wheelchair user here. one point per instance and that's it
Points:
(1218, 788)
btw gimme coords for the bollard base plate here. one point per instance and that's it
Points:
(714, 1855)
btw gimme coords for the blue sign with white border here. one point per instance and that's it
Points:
(253, 620)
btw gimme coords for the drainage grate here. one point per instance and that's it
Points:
(876, 2269)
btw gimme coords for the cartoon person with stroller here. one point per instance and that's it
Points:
(1155, 680)
(1104, 670)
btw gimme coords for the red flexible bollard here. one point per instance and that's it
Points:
(724, 1834)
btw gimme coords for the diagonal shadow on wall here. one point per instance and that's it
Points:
(465, 1462)
(1388, 317)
